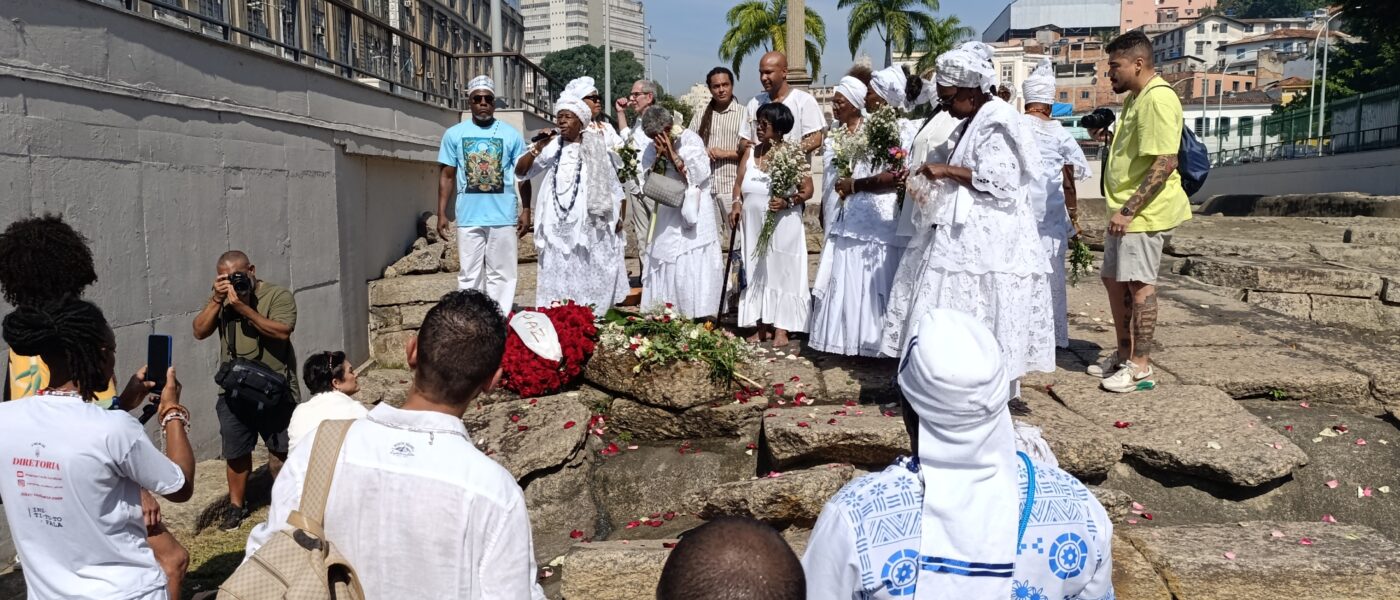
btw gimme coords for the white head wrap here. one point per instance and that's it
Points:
(580, 88)
(929, 92)
(953, 375)
(481, 82)
(1039, 87)
(968, 66)
(573, 104)
(853, 90)
(889, 84)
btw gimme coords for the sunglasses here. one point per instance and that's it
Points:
(483, 99)
(593, 98)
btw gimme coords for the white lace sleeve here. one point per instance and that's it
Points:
(545, 161)
(697, 160)
(1074, 156)
(996, 169)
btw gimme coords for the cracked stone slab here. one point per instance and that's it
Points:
(815, 435)
(1195, 430)
(791, 497)
(621, 570)
(1271, 560)
(540, 438)
(1085, 451)
(1278, 372)
(1133, 577)
(1284, 277)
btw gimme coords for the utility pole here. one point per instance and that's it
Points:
(497, 45)
(607, 55)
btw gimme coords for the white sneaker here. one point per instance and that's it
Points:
(1106, 366)
(1127, 380)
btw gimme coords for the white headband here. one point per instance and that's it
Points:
(968, 66)
(574, 105)
(581, 87)
(481, 82)
(1039, 86)
(889, 84)
(853, 90)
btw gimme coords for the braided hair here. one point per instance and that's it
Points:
(65, 331)
(42, 258)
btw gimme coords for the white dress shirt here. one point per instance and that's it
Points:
(417, 510)
(325, 406)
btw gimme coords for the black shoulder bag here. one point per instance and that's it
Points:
(249, 382)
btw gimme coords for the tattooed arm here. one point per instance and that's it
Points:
(1157, 175)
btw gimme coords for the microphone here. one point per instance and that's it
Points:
(541, 136)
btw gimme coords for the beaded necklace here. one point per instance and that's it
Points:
(559, 209)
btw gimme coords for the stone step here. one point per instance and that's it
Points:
(1276, 372)
(788, 498)
(1211, 247)
(1269, 560)
(1283, 277)
(649, 423)
(626, 570)
(1195, 430)
(411, 289)
(1085, 451)
(812, 435)
(1133, 577)
(530, 436)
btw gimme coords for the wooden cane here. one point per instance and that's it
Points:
(728, 264)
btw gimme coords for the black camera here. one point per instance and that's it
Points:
(241, 282)
(1101, 118)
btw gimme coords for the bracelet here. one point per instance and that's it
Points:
(180, 414)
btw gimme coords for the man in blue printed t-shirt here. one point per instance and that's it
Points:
(478, 166)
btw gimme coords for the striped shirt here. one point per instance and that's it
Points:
(724, 133)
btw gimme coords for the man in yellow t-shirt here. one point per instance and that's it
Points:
(1145, 202)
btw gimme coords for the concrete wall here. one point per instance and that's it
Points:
(167, 148)
(1364, 172)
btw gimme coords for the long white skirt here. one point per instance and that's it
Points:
(848, 313)
(1056, 247)
(594, 275)
(778, 292)
(690, 283)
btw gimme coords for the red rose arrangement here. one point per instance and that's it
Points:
(531, 375)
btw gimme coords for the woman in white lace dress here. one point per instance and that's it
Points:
(1053, 195)
(576, 214)
(683, 261)
(777, 300)
(985, 257)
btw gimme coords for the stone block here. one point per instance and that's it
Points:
(1298, 306)
(1133, 577)
(387, 349)
(807, 435)
(650, 423)
(1210, 334)
(257, 220)
(1373, 235)
(1361, 313)
(384, 385)
(625, 570)
(791, 497)
(1260, 372)
(1212, 247)
(862, 379)
(1117, 503)
(180, 149)
(677, 386)
(385, 318)
(413, 314)
(528, 437)
(425, 289)
(1283, 277)
(14, 130)
(1341, 561)
(1354, 254)
(60, 137)
(659, 478)
(1391, 292)
(1195, 430)
(427, 259)
(184, 209)
(1085, 451)
(14, 187)
(560, 502)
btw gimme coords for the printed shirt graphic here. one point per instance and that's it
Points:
(28, 375)
(485, 162)
(865, 546)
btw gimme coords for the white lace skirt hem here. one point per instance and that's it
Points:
(774, 307)
(849, 318)
(590, 276)
(690, 283)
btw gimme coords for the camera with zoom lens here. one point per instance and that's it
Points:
(241, 282)
(1101, 118)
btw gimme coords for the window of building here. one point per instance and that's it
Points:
(1249, 29)
(1064, 95)
(1246, 127)
(1217, 87)
(1224, 28)
(1239, 53)
(1201, 28)
(257, 18)
(1202, 127)
(1223, 128)
(1248, 85)
(1200, 48)
(1084, 95)
(1235, 86)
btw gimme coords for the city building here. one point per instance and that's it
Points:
(1145, 14)
(1203, 38)
(554, 25)
(1284, 91)
(1022, 19)
(1081, 74)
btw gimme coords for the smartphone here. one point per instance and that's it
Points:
(158, 351)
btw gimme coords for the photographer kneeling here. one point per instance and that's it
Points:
(74, 502)
(257, 377)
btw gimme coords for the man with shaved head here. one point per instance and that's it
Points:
(254, 320)
(808, 122)
(732, 558)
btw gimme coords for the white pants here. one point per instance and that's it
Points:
(488, 262)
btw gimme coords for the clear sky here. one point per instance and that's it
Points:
(689, 31)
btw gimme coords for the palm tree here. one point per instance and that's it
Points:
(756, 25)
(898, 23)
(945, 35)
(1107, 36)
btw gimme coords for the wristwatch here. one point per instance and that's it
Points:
(1125, 212)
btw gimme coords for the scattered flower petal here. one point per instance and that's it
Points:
(576, 534)
(634, 524)
(668, 515)
(1132, 521)
(654, 523)
(1327, 432)
(522, 427)
(1276, 533)
(1333, 483)
(632, 447)
(1360, 442)
(515, 418)
(1340, 428)
(1329, 519)
(1147, 516)
(569, 425)
(1363, 492)
(751, 446)
(1303, 404)
(773, 475)
(1385, 489)
(1316, 440)
(1213, 445)
(1288, 428)
(850, 403)
(668, 544)
(803, 424)
(1306, 541)
(610, 450)
(1229, 556)
(794, 379)
(1122, 424)
(1137, 506)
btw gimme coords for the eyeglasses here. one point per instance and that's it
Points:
(483, 99)
(635, 94)
(593, 98)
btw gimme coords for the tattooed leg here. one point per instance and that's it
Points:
(1144, 323)
(1120, 305)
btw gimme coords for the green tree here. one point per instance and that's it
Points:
(566, 65)
(756, 25)
(945, 35)
(898, 23)
(1265, 9)
(1368, 63)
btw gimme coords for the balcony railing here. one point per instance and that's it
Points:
(337, 37)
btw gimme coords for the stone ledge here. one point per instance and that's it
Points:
(622, 570)
(411, 289)
(793, 497)
(1277, 277)
(808, 435)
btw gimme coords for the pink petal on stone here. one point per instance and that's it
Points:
(1306, 541)
(1333, 484)
(1229, 556)
(1138, 507)
(1329, 519)
(1276, 533)
(1360, 442)
(1303, 404)
(1132, 521)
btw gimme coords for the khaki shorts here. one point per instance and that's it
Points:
(1134, 256)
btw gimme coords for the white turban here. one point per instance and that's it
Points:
(580, 88)
(968, 66)
(1039, 87)
(481, 82)
(853, 90)
(889, 84)
(573, 104)
(953, 376)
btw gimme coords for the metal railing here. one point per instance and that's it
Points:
(335, 36)
(1328, 145)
